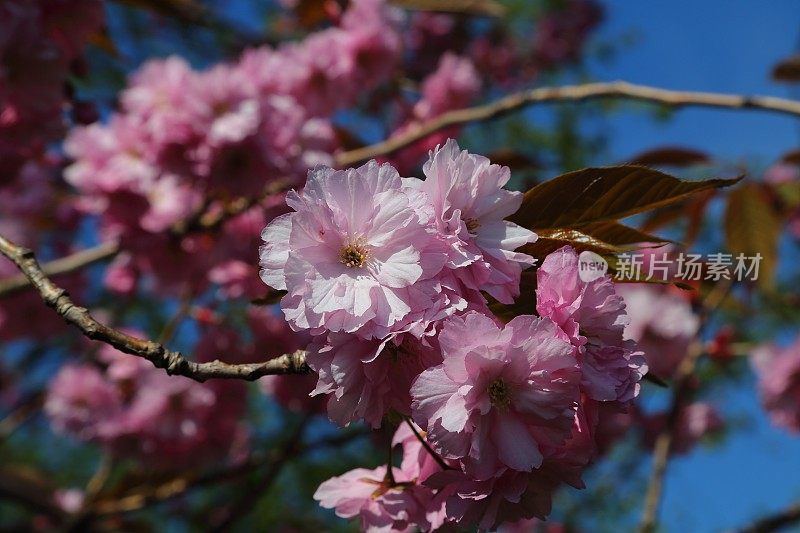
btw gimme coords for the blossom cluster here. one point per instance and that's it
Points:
(186, 142)
(778, 370)
(133, 409)
(39, 41)
(557, 39)
(787, 175)
(662, 322)
(454, 84)
(392, 276)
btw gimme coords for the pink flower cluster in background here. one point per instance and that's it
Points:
(187, 141)
(389, 275)
(136, 410)
(454, 84)
(778, 370)
(39, 41)
(662, 322)
(787, 175)
(133, 409)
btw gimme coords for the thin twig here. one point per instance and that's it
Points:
(244, 505)
(141, 498)
(31, 490)
(172, 325)
(173, 362)
(682, 390)
(64, 265)
(211, 219)
(569, 93)
(436, 457)
(664, 440)
(26, 409)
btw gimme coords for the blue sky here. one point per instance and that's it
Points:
(711, 45)
(721, 46)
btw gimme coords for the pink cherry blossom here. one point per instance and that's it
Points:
(696, 421)
(471, 205)
(454, 84)
(81, 401)
(137, 410)
(366, 378)
(561, 34)
(71, 500)
(662, 323)
(778, 370)
(500, 394)
(38, 41)
(593, 316)
(378, 504)
(33, 212)
(507, 497)
(163, 94)
(352, 252)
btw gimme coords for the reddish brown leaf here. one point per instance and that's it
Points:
(751, 227)
(488, 8)
(602, 194)
(695, 213)
(618, 234)
(787, 69)
(792, 157)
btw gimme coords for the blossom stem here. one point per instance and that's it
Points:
(389, 477)
(438, 458)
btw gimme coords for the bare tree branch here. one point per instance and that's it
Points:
(173, 362)
(256, 489)
(142, 497)
(64, 265)
(569, 93)
(488, 8)
(682, 393)
(206, 220)
(31, 490)
(28, 407)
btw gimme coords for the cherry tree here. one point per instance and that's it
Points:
(452, 317)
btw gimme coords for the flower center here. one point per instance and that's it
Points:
(499, 393)
(354, 255)
(472, 224)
